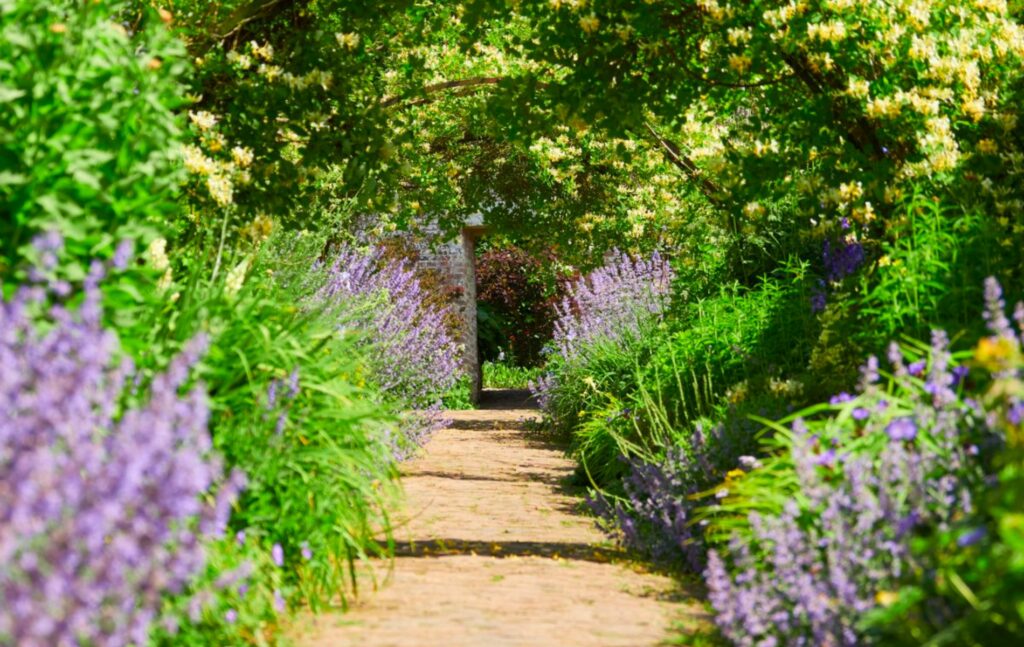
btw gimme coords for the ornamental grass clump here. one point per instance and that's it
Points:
(413, 359)
(110, 485)
(830, 528)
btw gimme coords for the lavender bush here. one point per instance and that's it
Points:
(413, 358)
(612, 302)
(659, 515)
(608, 306)
(832, 518)
(105, 488)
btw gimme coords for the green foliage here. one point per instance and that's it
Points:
(932, 270)
(460, 396)
(741, 351)
(239, 600)
(506, 375)
(290, 408)
(88, 135)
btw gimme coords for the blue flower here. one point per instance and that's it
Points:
(840, 398)
(971, 537)
(959, 373)
(902, 429)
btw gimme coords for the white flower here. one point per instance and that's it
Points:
(221, 189)
(196, 162)
(165, 281)
(236, 278)
(348, 41)
(242, 156)
(204, 120)
(157, 254)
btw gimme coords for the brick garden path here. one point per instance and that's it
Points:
(492, 551)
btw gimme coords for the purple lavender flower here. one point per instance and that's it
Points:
(277, 554)
(971, 537)
(413, 358)
(808, 573)
(231, 616)
(123, 254)
(819, 297)
(959, 374)
(1015, 412)
(840, 263)
(658, 520)
(103, 498)
(995, 310)
(902, 429)
(610, 305)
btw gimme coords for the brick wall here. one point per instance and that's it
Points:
(454, 261)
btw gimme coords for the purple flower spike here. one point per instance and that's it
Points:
(612, 304)
(123, 254)
(101, 498)
(277, 554)
(959, 373)
(414, 358)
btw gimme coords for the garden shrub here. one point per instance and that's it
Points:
(240, 598)
(412, 358)
(516, 295)
(601, 322)
(88, 132)
(831, 526)
(111, 484)
(503, 374)
(290, 405)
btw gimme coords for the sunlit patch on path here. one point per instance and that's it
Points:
(491, 550)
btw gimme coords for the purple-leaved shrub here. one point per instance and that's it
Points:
(413, 358)
(106, 490)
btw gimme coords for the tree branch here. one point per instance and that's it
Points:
(469, 85)
(684, 163)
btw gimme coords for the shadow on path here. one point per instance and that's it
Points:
(506, 399)
(550, 549)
